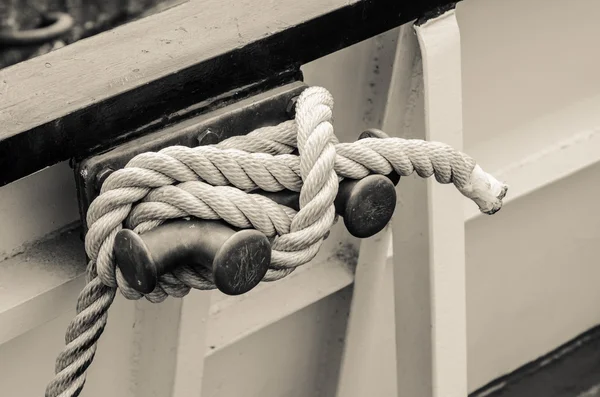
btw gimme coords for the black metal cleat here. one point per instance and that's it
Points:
(238, 260)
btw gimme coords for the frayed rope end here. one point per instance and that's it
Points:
(485, 190)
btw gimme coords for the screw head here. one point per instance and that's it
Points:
(208, 137)
(290, 109)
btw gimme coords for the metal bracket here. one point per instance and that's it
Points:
(240, 118)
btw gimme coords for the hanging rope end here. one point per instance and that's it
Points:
(485, 190)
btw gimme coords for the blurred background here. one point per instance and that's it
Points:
(89, 17)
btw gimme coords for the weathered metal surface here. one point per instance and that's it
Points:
(239, 118)
(235, 260)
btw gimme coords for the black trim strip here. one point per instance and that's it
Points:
(567, 371)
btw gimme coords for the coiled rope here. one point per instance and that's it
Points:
(212, 182)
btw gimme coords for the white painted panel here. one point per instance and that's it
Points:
(234, 318)
(531, 93)
(27, 362)
(295, 357)
(40, 284)
(35, 206)
(532, 276)
(358, 78)
(136, 355)
(523, 59)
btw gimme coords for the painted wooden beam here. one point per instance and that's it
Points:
(357, 377)
(428, 231)
(85, 95)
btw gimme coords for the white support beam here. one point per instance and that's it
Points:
(154, 347)
(191, 346)
(366, 317)
(362, 332)
(428, 234)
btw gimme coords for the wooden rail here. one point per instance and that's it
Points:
(84, 96)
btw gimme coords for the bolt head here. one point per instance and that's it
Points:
(208, 137)
(291, 107)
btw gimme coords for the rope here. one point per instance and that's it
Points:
(214, 182)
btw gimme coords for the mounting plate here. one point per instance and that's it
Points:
(239, 118)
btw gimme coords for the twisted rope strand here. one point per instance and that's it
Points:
(215, 182)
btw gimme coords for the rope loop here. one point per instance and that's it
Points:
(212, 182)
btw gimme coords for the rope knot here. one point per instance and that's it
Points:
(213, 182)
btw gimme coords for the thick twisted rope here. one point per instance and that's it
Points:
(213, 182)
